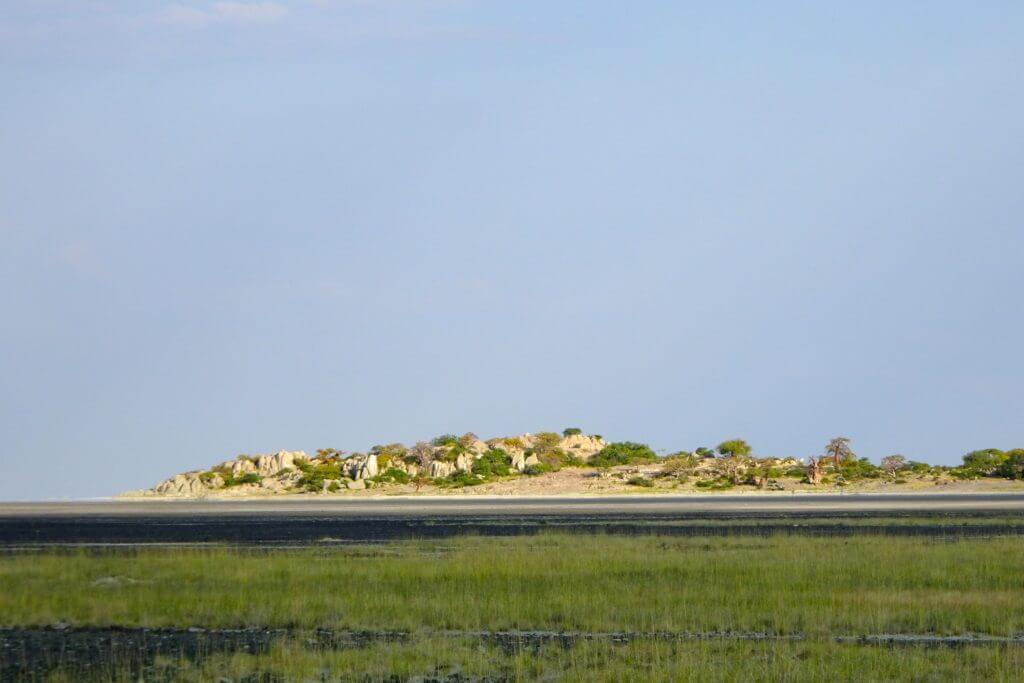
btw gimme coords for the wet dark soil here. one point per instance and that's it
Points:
(33, 653)
(250, 529)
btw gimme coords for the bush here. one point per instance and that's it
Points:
(247, 478)
(539, 468)
(460, 479)
(513, 442)
(546, 441)
(445, 440)
(392, 475)
(1013, 466)
(717, 484)
(678, 466)
(984, 462)
(795, 473)
(862, 468)
(572, 431)
(493, 463)
(334, 487)
(572, 460)
(314, 476)
(640, 481)
(622, 453)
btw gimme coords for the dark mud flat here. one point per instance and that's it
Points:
(56, 531)
(31, 653)
(34, 653)
(311, 520)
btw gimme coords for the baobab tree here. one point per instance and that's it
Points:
(838, 449)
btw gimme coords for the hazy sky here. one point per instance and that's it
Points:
(236, 227)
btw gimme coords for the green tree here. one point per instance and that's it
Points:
(985, 461)
(1013, 466)
(735, 448)
(571, 431)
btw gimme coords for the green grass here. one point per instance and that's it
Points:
(786, 585)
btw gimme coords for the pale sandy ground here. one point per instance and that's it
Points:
(583, 482)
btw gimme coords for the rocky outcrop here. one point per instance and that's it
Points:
(269, 465)
(440, 469)
(464, 463)
(581, 445)
(188, 484)
(519, 462)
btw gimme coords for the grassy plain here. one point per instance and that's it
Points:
(779, 585)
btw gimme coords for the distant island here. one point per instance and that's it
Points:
(572, 462)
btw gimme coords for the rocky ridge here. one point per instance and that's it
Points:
(331, 470)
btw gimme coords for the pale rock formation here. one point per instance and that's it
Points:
(241, 466)
(187, 484)
(369, 468)
(440, 469)
(531, 460)
(357, 484)
(519, 461)
(268, 465)
(581, 445)
(464, 463)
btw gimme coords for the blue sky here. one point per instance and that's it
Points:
(235, 227)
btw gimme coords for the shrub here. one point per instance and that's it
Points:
(622, 453)
(572, 460)
(795, 473)
(861, 468)
(539, 468)
(334, 487)
(389, 453)
(445, 440)
(716, 484)
(392, 475)
(513, 442)
(1013, 466)
(678, 466)
(247, 478)
(314, 476)
(453, 452)
(460, 479)
(984, 462)
(546, 441)
(493, 463)
(572, 431)
(640, 481)
(703, 452)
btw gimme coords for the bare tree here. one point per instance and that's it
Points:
(839, 450)
(424, 454)
(814, 473)
(892, 464)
